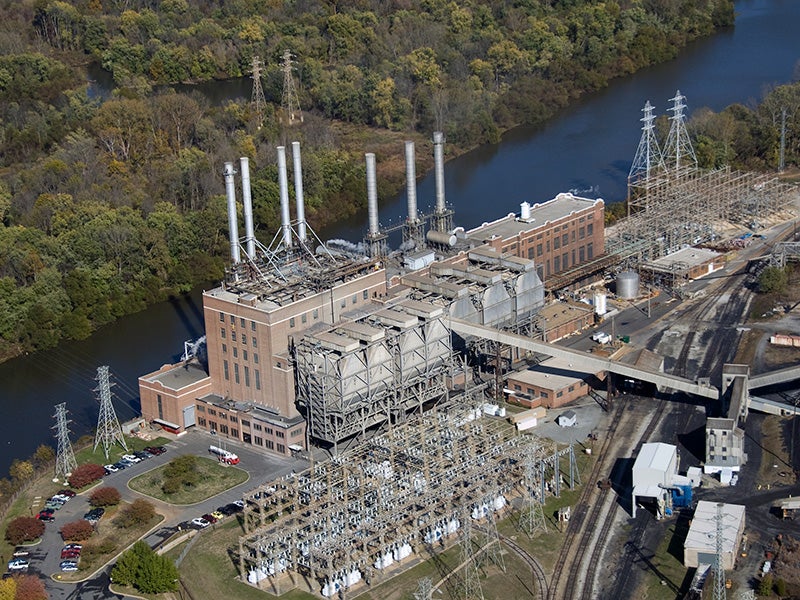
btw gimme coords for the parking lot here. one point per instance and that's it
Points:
(44, 559)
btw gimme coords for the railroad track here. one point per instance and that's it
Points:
(540, 579)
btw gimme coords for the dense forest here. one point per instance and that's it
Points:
(109, 205)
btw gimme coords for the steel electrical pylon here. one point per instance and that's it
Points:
(534, 520)
(648, 155)
(290, 103)
(719, 571)
(257, 100)
(679, 151)
(65, 458)
(108, 428)
(470, 576)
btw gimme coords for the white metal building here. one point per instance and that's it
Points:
(653, 473)
(568, 419)
(701, 541)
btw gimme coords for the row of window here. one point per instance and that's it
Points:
(235, 338)
(242, 321)
(245, 354)
(315, 312)
(245, 371)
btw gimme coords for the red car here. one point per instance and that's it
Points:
(210, 518)
(71, 553)
(46, 516)
(68, 493)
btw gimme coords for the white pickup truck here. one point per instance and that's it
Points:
(601, 337)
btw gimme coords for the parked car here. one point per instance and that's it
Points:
(155, 450)
(131, 458)
(121, 465)
(94, 515)
(210, 518)
(18, 564)
(70, 554)
(142, 455)
(73, 547)
(53, 505)
(68, 565)
(21, 553)
(66, 492)
(111, 468)
(217, 515)
(239, 503)
(61, 498)
(46, 517)
(228, 509)
(200, 523)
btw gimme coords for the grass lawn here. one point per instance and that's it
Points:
(115, 452)
(666, 565)
(214, 479)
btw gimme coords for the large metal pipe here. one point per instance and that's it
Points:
(298, 191)
(247, 201)
(438, 159)
(283, 186)
(372, 195)
(233, 226)
(411, 182)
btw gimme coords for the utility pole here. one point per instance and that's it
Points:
(719, 571)
(108, 429)
(257, 100)
(290, 103)
(65, 458)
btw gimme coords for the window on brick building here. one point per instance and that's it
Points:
(222, 332)
(281, 448)
(222, 317)
(247, 376)
(236, 372)
(225, 369)
(589, 251)
(556, 243)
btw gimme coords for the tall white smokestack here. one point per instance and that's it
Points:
(249, 232)
(283, 185)
(372, 195)
(233, 227)
(298, 191)
(411, 182)
(438, 159)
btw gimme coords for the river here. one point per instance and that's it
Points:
(587, 147)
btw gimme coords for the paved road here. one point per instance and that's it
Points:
(45, 557)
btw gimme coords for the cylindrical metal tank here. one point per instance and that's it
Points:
(600, 307)
(525, 211)
(628, 285)
(441, 237)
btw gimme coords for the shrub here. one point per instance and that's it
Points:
(98, 548)
(180, 472)
(77, 530)
(773, 280)
(765, 585)
(142, 568)
(24, 529)
(138, 512)
(780, 587)
(105, 496)
(85, 475)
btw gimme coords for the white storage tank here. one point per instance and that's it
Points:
(600, 306)
(628, 285)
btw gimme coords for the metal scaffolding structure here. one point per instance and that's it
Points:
(692, 207)
(357, 375)
(408, 490)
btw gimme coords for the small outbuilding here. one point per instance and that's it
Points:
(654, 472)
(567, 419)
(701, 541)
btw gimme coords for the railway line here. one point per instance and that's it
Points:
(539, 576)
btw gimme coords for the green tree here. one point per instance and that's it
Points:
(765, 585)
(142, 568)
(773, 280)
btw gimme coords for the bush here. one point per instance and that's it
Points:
(105, 496)
(139, 512)
(180, 472)
(148, 572)
(24, 529)
(765, 585)
(85, 475)
(773, 280)
(780, 587)
(77, 530)
(98, 548)
(29, 587)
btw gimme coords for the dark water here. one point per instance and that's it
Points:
(588, 147)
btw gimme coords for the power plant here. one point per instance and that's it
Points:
(391, 360)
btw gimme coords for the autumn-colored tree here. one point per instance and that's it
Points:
(77, 530)
(105, 496)
(138, 512)
(86, 474)
(43, 456)
(21, 470)
(30, 587)
(24, 529)
(8, 589)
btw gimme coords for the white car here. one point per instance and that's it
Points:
(200, 522)
(111, 468)
(18, 564)
(132, 458)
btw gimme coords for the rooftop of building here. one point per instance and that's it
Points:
(260, 413)
(702, 534)
(685, 258)
(551, 374)
(561, 312)
(656, 456)
(720, 423)
(288, 278)
(178, 376)
(561, 207)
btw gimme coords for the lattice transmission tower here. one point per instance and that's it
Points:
(424, 589)
(679, 152)
(648, 155)
(65, 458)
(533, 520)
(257, 99)
(108, 428)
(290, 103)
(471, 579)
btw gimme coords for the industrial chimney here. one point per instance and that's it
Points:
(233, 228)
(249, 232)
(438, 159)
(372, 196)
(298, 191)
(283, 185)
(411, 182)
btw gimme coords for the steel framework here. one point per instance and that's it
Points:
(257, 98)
(290, 103)
(65, 458)
(408, 490)
(108, 429)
